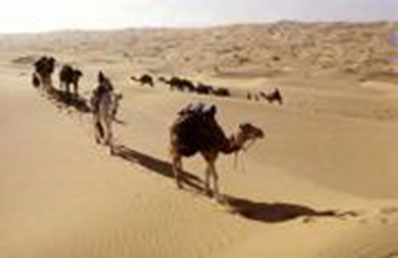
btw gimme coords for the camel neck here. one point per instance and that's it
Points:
(234, 143)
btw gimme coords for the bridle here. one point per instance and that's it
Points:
(244, 149)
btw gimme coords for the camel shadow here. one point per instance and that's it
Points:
(69, 100)
(278, 212)
(258, 211)
(158, 166)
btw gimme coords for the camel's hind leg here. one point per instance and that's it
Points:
(213, 171)
(109, 137)
(98, 129)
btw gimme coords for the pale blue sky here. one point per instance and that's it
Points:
(44, 15)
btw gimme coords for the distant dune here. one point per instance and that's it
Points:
(284, 46)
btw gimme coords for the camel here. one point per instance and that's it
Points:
(174, 83)
(204, 89)
(197, 131)
(144, 79)
(105, 104)
(187, 84)
(179, 84)
(222, 92)
(68, 75)
(44, 67)
(273, 96)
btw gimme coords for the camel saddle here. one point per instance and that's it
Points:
(197, 128)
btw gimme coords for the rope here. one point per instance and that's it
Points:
(244, 150)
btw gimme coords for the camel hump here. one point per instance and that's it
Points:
(198, 109)
(196, 128)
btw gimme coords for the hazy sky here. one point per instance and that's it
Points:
(43, 15)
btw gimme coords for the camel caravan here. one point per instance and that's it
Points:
(195, 130)
(185, 85)
(42, 79)
(182, 85)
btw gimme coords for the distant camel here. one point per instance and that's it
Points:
(222, 92)
(256, 97)
(273, 96)
(44, 67)
(144, 79)
(204, 89)
(179, 84)
(196, 130)
(68, 75)
(174, 83)
(105, 104)
(187, 84)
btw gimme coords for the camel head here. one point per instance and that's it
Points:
(78, 73)
(250, 132)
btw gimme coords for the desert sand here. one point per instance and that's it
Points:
(323, 182)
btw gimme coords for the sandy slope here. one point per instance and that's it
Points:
(331, 147)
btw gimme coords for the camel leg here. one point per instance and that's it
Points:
(75, 89)
(110, 137)
(108, 133)
(98, 137)
(68, 88)
(215, 181)
(48, 83)
(177, 167)
(98, 130)
(207, 180)
(45, 83)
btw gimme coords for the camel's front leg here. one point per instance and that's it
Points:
(207, 180)
(67, 87)
(177, 167)
(76, 89)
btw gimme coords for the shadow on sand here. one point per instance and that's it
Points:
(69, 100)
(279, 212)
(263, 212)
(158, 166)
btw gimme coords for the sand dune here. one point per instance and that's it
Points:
(321, 184)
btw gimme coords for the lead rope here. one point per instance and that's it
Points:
(244, 150)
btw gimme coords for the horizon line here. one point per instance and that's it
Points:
(198, 26)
